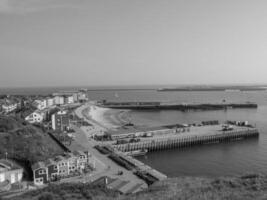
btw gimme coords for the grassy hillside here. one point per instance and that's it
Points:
(23, 141)
(239, 188)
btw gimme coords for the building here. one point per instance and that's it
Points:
(74, 96)
(81, 159)
(52, 170)
(59, 100)
(50, 102)
(82, 97)
(9, 107)
(63, 166)
(70, 99)
(70, 164)
(60, 121)
(40, 104)
(35, 117)
(10, 173)
(40, 173)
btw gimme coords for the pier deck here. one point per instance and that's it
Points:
(192, 136)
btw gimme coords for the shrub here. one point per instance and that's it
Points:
(46, 196)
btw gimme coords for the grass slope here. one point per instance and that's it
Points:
(23, 141)
(237, 188)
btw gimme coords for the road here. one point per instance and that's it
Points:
(103, 165)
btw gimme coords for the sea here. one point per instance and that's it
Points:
(213, 160)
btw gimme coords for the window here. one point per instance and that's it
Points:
(19, 176)
(2, 178)
(42, 171)
(55, 167)
(39, 180)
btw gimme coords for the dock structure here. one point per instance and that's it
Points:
(195, 136)
(142, 167)
(154, 105)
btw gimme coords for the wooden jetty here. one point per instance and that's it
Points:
(214, 134)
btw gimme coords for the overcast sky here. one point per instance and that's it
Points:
(128, 42)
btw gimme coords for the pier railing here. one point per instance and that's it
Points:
(179, 141)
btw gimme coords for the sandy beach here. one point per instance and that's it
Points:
(108, 118)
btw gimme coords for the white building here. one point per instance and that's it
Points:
(9, 107)
(35, 117)
(40, 104)
(82, 96)
(60, 121)
(59, 100)
(50, 102)
(70, 99)
(10, 173)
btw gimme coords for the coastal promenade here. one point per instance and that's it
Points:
(103, 165)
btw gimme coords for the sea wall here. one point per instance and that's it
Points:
(155, 144)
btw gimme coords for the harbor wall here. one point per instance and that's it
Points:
(155, 144)
(171, 106)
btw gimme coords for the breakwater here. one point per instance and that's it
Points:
(178, 141)
(175, 106)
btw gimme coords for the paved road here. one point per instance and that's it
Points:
(104, 166)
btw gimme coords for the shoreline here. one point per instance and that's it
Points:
(108, 118)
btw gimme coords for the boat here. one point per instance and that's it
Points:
(141, 152)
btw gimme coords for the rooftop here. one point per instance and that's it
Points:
(7, 165)
(38, 165)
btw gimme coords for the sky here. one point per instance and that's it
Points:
(126, 42)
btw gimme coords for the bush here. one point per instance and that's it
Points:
(46, 196)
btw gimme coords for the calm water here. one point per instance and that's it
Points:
(208, 160)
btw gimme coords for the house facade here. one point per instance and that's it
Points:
(52, 170)
(59, 100)
(60, 121)
(50, 102)
(40, 172)
(60, 167)
(10, 173)
(70, 99)
(9, 107)
(40, 104)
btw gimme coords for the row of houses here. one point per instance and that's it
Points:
(60, 167)
(76, 96)
(42, 104)
(60, 120)
(8, 107)
(60, 98)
